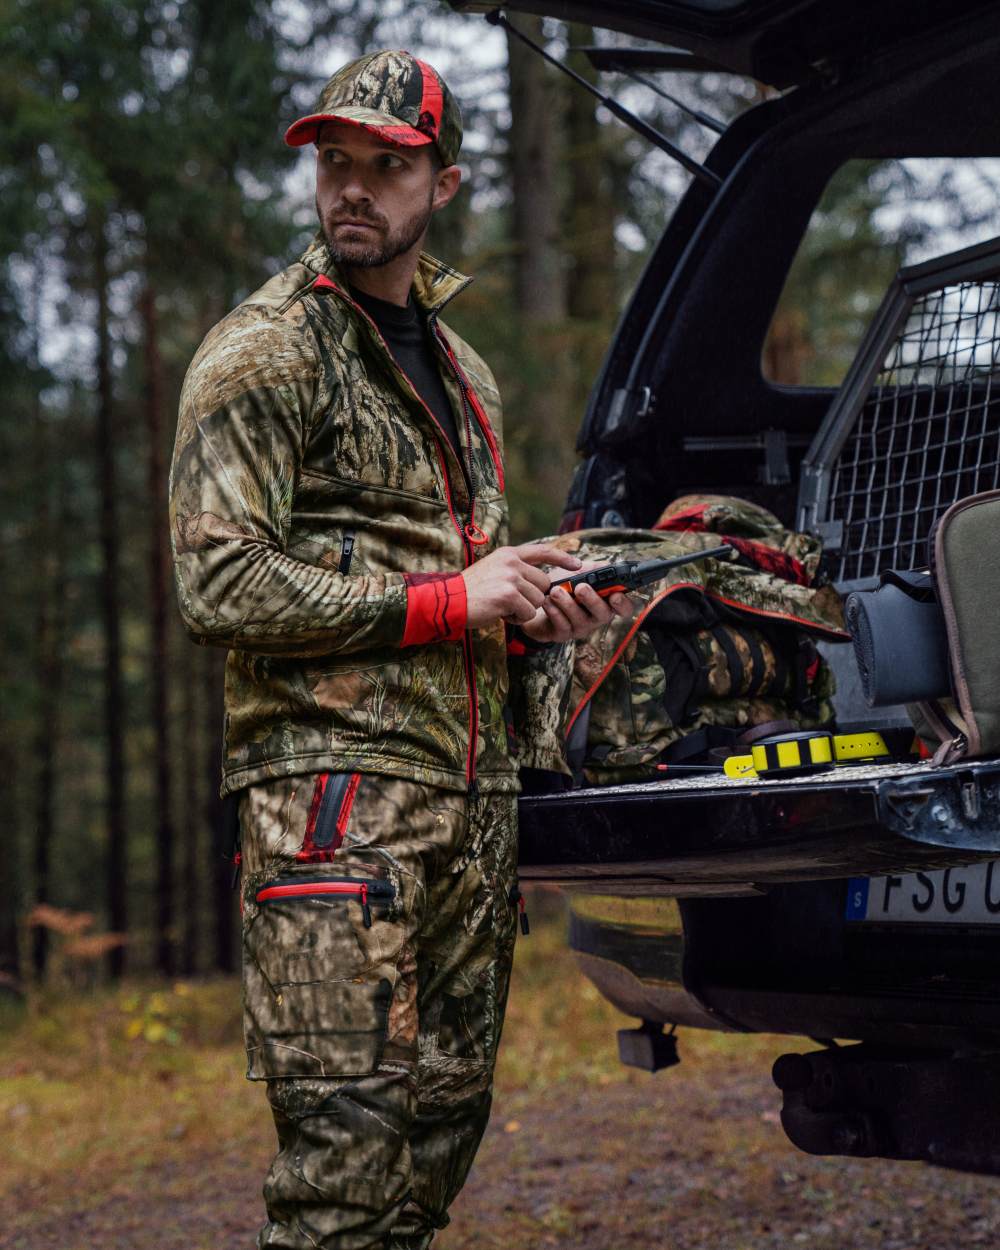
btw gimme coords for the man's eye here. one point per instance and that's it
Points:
(390, 161)
(332, 156)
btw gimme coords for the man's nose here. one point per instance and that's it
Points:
(355, 190)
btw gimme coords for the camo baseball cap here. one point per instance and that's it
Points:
(393, 94)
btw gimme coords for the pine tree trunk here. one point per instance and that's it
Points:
(591, 217)
(542, 423)
(159, 649)
(590, 225)
(10, 881)
(787, 348)
(49, 629)
(192, 821)
(540, 288)
(49, 638)
(111, 611)
(11, 890)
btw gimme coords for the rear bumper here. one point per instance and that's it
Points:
(711, 837)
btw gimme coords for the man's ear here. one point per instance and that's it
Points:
(446, 185)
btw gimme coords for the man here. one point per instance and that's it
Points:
(338, 522)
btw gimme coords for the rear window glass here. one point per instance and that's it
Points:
(874, 217)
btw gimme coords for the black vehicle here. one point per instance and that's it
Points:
(864, 905)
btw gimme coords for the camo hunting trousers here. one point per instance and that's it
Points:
(378, 921)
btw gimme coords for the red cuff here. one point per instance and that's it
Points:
(435, 608)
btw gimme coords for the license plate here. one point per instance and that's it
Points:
(969, 895)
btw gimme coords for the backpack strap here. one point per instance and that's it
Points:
(769, 728)
(700, 742)
(712, 738)
(576, 744)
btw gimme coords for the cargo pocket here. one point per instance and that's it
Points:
(318, 976)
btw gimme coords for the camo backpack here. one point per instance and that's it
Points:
(714, 650)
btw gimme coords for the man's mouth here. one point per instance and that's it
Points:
(353, 224)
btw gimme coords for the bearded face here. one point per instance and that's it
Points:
(374, 200)
(365, 238)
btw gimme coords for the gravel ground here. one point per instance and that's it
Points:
(113, 1142)
(661, 1162)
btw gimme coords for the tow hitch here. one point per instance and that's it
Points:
(648, 1047)
(869, 1102)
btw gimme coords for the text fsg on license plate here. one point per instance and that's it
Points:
(969, 895)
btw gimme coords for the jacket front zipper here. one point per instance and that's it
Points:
(469, 537)
(466, 532)
(469, 401)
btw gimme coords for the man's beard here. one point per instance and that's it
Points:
(370, 254)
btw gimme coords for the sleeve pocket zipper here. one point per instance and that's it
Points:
(321, 887)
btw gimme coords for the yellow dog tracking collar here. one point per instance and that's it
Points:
(810, 751)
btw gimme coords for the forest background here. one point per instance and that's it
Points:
(146, 191)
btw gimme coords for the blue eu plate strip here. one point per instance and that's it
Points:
(857, 898)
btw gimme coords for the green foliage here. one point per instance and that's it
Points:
(842, 270)
(873, 217)
(143, 123)
(149, 1018)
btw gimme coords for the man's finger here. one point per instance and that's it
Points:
(539, 627)
(562, 626)
(536, 577)
(588, 599)
(519, 609)
(528, 590)
(621, 605)
(548, 625)
(545, 553)
(578, 617)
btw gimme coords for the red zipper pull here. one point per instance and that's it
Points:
(525, 927)
(366, 911)
(237, 860)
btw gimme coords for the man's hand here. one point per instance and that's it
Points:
(507, 584)
(563, 615)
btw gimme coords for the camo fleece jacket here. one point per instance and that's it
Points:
(320, 520)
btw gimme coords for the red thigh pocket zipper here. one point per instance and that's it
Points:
(329, 813)
(324, 887)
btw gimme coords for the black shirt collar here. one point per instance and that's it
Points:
(382, 312)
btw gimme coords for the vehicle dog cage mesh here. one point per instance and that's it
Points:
(916, 424)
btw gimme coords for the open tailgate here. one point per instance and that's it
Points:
(715, 836)
(781, 42)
